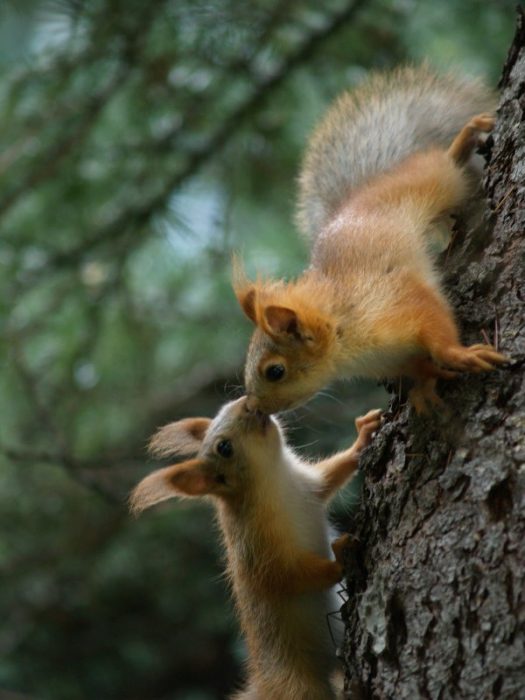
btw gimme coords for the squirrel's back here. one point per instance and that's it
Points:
(373, 128)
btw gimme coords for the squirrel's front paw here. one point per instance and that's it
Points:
(366, 426)
(476, 358)
(340, 544)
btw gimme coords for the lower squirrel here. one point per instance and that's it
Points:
(387, 163)
(270, 506)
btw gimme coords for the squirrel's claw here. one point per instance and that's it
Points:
(469, 137)
(366, 426)
(476, 358)
(340, 544)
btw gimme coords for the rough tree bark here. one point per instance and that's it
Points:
(436, 581)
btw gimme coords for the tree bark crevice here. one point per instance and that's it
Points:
(436, 583)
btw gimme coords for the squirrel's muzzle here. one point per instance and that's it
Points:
(253, 415)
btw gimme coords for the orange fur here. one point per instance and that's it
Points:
(370, 303)
(425, 185)
(467, 139)
(336, 470)
(270, 510)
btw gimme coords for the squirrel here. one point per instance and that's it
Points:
(387, 162)
(270, 507)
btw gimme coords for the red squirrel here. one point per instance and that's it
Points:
(386, 163)
(270, 507)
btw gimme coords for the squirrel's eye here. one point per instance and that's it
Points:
(225, 449)
(274, 373)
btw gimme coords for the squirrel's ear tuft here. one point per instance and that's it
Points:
(244, 289)
(184, 437)
(246, 298)
(185, 479)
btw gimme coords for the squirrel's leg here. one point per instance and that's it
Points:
(468, 138)
(298, 571)
(425, 373)
(309, 579)
(338, 468)
(424, 320)
(438, 334)
(429, 183)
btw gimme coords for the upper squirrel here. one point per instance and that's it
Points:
(271, 513)
(387, 161)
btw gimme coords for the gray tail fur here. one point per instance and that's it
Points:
(370, 130)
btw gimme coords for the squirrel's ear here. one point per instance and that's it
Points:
(184, 437)
(246, 298)
(281, 321)
(186, 479)
(244, 289)
(284, 324)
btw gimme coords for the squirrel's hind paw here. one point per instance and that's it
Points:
(424, 398)
(469, 137)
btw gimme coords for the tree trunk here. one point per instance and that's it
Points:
(436, 581)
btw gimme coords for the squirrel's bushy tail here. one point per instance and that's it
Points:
(371, 129)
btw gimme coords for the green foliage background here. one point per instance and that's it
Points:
(141, 143)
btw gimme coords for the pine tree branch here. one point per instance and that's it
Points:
(132, 217)
(75, 469)
(47, 162)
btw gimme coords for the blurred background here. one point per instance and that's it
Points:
(141, 143)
